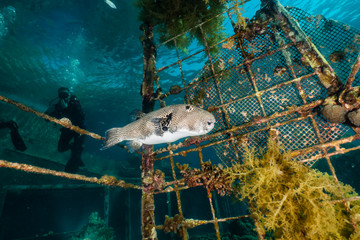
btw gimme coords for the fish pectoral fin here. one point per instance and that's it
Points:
(133, 145)
(158, 129)
(173, 129)
(112, 137)
(136, 114)
(162, 124)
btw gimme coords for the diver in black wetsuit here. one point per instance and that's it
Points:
(69, 107)
(14, 133)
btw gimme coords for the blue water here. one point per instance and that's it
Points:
(95, 51)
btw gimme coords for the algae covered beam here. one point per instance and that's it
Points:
(147, 171)
(104, 180)
(62, 122)
(353, 73)
(149, 69)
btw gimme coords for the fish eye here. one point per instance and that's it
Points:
(209, 123)
(189, 108)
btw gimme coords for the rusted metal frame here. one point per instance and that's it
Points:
(217, 83)
(308, 50)
(216, 222)
(317, 157)
(166, 186)
(183, 59)
(240, 127)
(326, 75)
(182, 73)
(190, 56)
(147, 199)
(261, 92)
(337, 152)
(51, 119)
(147, 170)
(149, 68)
(233, 138)
(331, 144)
(177, 192)
(209, 194)
(196, 222)
(216, 80)
(227, 70)
(230, 17)
(35, 169)
(314, 124)
(357, 198)
(199, 25)
(349, 89)
(252, 77)
(316, 128)
(301, 93)
(170, 189)
(354, 70)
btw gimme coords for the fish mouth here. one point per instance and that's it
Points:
(209, 125)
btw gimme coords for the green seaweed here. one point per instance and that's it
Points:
(173, 17)
(287, 200)
(293, 201)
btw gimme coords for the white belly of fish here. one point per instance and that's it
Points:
(168, 137)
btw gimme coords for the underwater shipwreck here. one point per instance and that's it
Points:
(284, 90)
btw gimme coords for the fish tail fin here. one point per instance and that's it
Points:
(112, 137)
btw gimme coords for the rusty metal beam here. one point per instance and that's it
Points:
(147, 171)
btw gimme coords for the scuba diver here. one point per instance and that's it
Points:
(69, 107)
(14, 133)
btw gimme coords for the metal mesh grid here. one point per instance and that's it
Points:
(325, 35)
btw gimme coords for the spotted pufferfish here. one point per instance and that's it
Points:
(165, 125)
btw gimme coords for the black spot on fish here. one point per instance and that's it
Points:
(162, 124)
(189, 108)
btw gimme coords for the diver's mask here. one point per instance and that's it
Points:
(64, 95)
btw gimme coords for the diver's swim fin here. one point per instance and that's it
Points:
(17, 140)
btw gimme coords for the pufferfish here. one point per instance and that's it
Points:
(165, 125)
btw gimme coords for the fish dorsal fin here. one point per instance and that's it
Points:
(162, 124)
(136, 114)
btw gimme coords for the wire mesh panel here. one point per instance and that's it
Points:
(342, 51)
(277, 80)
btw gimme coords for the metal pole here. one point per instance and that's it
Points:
(147, 171)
